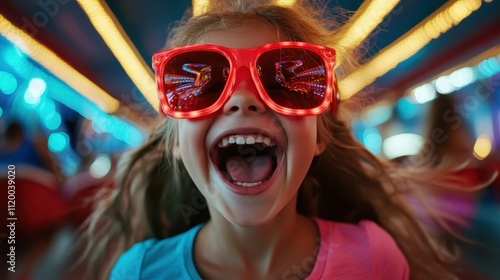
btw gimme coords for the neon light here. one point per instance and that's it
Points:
(450, 14)
(104, 21)
(56, 65)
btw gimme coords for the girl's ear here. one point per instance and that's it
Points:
(320, 147)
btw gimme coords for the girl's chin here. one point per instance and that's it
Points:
(249, 220)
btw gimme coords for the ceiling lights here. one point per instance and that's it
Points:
(285, 2)
(57, 66)
(369, 15)
(199, 6)
(102, 18)
(483, 66)
(450, 14)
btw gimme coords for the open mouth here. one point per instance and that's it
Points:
(246, 160)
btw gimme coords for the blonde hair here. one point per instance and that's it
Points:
(155, 196)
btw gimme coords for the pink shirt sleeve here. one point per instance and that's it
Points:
(388, 262)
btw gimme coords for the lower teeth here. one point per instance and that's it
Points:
(245, 184)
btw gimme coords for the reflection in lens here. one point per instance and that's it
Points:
(194, 80)
(187, 87)
(293, 78)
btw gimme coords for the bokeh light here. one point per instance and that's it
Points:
(482, 147)
(424, 93)
(34, 92)
(488, 68)
(52, 121)
(406, 109)
(100, 167)
(400, 145)
(8, 83)
(58, 141)
(372, 140)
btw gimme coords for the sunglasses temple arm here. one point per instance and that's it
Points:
(335, 95)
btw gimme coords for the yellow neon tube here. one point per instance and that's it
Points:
(124, 50)
(58, 67)
(450, 14)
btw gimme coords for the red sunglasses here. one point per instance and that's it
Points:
(292, 78)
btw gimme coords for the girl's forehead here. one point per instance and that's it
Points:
(247, 36)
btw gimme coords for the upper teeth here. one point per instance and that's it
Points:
(246, 139)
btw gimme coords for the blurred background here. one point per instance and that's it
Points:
(77, 91)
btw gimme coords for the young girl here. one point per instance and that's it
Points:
(252, 173)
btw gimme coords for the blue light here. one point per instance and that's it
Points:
(31, 100)
(12, 57)
(488, 68)
(70, 163)
(95, 125)
(372, 140)
(8, 83)
(16, 60)
(45, 89)
(52, 121)
(46, 111)
(119, 130)
(1, 112)
(376, 115)
(34, 92)
(135, 138)
(58, 141)
(47, 107)
(406, 109)
(36, 87)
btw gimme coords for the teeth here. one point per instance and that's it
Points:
(240, 140)
(225, 141)
(250, 140)
(267, 141)
(246, 139)
(245, 184)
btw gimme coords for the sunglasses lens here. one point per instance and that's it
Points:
(194, 80)
(293, 78)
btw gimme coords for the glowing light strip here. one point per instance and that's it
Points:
(124, 50)
(492, 52)
(364, 21)
(285, 2)
(442, 20)
(199, 6)
(57, 66)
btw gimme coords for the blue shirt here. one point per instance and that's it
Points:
(170, 258)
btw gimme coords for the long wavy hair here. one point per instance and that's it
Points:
(155, 196)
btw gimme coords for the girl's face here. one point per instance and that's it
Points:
(247, 184)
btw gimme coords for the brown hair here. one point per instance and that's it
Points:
(155, 196)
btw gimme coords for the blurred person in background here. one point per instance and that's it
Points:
(450, 140)
(24, 147)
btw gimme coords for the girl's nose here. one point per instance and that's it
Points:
(245, 98)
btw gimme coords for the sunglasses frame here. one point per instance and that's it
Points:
(247, 57)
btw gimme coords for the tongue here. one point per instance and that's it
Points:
(249, 170)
